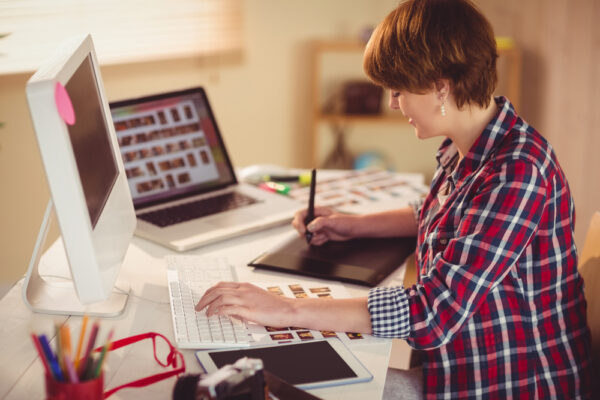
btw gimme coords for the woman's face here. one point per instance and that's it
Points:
(422, 111)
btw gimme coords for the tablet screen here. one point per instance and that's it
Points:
(295, 363)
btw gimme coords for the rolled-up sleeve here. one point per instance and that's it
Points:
(389, 311)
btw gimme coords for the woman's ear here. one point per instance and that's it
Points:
(442, 89)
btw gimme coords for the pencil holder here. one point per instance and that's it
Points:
(92, 389)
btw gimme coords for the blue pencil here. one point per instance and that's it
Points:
(41, 354)
(51, 358)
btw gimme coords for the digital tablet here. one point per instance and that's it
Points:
(362, 261)
(307, 365)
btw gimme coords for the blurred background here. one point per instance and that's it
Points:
(276, 73)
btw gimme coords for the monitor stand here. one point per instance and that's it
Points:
(57, 295)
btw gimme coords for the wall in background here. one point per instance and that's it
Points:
(261, 99)
(561, 85)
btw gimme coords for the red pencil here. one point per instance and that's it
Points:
(38, 347)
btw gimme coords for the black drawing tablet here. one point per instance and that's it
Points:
(362, 261)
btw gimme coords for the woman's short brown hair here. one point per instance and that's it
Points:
(423, 41)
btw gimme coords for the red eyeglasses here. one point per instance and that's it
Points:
(174, 359)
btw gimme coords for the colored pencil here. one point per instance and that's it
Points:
(65, 336)
(80, 341)
(71, 369)
(40, 351)
(57, 373)
(103, 354)
(90, 346)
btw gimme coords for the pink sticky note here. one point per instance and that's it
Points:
(63, 104)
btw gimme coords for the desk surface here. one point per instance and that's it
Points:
(21, 372)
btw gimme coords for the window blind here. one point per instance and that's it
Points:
(123, 30)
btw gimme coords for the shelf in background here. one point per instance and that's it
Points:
(338, 45)
(510, 58)
(356, 118)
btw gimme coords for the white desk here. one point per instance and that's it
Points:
(21, 372)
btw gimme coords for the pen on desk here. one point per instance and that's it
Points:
(280, 178)
(303, 178)
(80, 342)
(310, 215)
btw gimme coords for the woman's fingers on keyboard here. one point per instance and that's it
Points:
(233, 285)
(236, 311)
(245, 301)
(210, 295)
(224, 297)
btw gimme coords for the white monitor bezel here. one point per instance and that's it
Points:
(94, 255)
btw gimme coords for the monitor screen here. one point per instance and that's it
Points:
(170, 146)
(88, 186)
(90, 140)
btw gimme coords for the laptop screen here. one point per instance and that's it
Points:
(171, 146)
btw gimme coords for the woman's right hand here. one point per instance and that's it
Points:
(327, 225)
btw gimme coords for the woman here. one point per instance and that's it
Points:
(498, 306)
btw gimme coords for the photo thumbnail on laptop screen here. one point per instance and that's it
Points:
(170, 147)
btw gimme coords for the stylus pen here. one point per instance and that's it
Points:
(310, 215)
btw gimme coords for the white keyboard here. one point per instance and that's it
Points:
(188, 278)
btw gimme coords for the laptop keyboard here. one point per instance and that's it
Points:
(188, 278)
(196, 209)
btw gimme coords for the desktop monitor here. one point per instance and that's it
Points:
(88, 186)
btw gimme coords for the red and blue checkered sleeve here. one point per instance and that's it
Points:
(501, 217)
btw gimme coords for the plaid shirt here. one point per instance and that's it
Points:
(499, 304)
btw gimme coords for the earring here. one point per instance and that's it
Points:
(443, 110)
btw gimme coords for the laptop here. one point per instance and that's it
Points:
(183, 184)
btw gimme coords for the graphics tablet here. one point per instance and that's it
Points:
(364, 261)
(307, 365)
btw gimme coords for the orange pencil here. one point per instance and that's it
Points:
(66, 339)
(80, 342)
(59, 346)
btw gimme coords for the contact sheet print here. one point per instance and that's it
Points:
(271, 335)
(362, 191)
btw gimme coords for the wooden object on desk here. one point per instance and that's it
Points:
(509, 73)
(589, 268)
